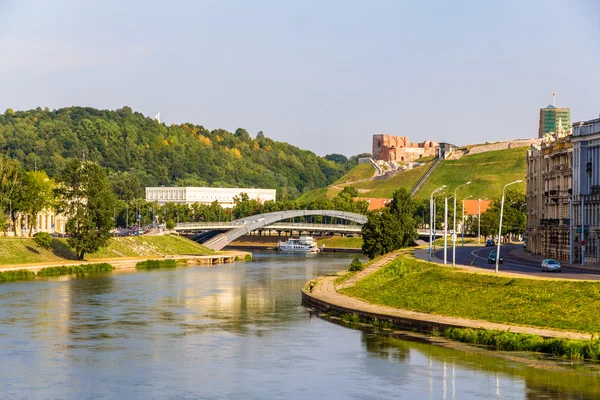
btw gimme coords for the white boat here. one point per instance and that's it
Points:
(304, 244)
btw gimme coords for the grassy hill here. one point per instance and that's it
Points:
(24, 251)
(488, 173)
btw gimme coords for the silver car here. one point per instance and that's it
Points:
(550, 265)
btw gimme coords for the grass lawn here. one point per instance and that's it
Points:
(361, 171)
(24, 251)
(341, 242)
(488, 173)
(417, 285)
(385, 188)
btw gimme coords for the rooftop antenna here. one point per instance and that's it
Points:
(554, 99)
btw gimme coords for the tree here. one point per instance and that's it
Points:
(87, 199)
(391, 228)
(37, 192)
(43, 240)
(10, 181)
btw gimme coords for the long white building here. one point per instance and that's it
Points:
(205, 195)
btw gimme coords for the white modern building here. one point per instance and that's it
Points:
(205, 195)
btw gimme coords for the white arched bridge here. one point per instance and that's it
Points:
(243, 226)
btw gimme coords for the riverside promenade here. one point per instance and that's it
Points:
(325, 298)
(222, 257)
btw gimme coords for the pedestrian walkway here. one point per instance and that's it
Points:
(325, 297)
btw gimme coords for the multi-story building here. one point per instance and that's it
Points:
(586, 188)
(550, 118)
(206, 195)
(549, 191)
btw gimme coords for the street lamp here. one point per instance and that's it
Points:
(463, 218)
(431, 217)
(479, 221)
(446, 228)
(435, 216)
(500, 225)
(454, 228)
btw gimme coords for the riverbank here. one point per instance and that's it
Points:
(420, 296)
(20, 251)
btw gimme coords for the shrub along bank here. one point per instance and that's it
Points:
(501, 340)
(75, 269)
(421, 286)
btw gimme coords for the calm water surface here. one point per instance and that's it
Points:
(235, 331)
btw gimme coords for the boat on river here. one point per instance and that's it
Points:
(304, 244)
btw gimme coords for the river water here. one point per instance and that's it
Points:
(233, 331)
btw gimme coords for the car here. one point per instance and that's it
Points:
(551, 265)
(490, 242)
(492, 258)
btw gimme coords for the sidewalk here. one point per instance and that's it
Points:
(326, 298)
(128, 262)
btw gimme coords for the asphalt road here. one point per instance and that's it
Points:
(477, 257)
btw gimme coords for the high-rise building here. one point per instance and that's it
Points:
(550, 119)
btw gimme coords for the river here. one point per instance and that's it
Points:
(233, 331)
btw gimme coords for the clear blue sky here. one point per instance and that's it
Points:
(324, 75)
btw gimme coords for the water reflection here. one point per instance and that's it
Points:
(503, 374)
(232, 331)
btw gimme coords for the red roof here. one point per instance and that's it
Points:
(375, 203)
(472, 206)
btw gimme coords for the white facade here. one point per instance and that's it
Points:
(586, 186)
(206, 195)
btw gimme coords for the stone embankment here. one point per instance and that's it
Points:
(130, 262)
(507, 144)
(326, 299)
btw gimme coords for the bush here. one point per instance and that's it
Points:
(151, 264)
(43, 240)
(17, 275)
(508, 341)
(75, 269)
(356, 265)
(170, 224)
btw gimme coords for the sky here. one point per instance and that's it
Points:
(323, 75)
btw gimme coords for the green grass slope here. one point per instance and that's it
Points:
(417, 285)
(488, 173)
(24, 251)
(361, 171)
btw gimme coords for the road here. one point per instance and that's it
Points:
(476, 256)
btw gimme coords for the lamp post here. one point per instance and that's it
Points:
(463, 218)
(431, 217)
(479, 221)
(500, 225)
(454, 228)
(446, 229)
(435, 216)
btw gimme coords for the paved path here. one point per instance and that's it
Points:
(325, 291)
(125, 262)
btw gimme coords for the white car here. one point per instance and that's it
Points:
(550, 265)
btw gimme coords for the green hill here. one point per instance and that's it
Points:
(24, 251)
(488, 173)
(138, 151)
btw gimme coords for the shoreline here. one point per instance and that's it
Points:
(224, 257)
(325, 298)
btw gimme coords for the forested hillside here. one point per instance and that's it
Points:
(137, 151)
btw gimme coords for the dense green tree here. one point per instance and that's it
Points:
(87, 199)
(146, 153)
(513, 218)
(391, 228)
